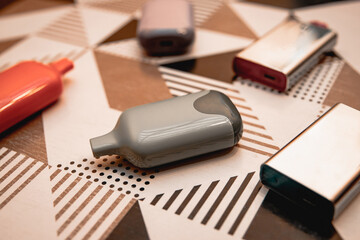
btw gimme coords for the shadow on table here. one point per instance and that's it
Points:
(278, 218)
(292, 3)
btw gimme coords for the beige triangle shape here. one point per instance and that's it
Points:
(345, 89)
(226, 21)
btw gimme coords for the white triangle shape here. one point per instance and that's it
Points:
(259, 18)
(99, 24)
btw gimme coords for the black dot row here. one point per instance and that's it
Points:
(108, 168)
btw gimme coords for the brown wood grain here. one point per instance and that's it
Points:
(22, 6)
(346, 88)
(27, 137)
(129, 83)
(124, 32)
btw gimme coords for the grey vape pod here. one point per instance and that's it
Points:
(162, 132)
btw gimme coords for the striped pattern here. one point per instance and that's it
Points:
(16, 172)
(219, 204)
(68, 29)
(255, 138)
(204, 9)
(314, 86)
(72, 55)
(85, 210)
(115, 5)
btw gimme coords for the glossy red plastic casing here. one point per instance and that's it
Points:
(29, 87)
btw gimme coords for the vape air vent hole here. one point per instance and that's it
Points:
(269, 76)
(166, 43)
(313, 86)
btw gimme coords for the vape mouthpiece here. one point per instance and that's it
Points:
(104, 144)
(63, 65)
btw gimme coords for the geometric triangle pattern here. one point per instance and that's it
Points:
(69, 29)
(25, 6)
(27, 137)
(132, 226)
(208, 199)
(124, 85)
(82, 209)
(89, 198)
(12, 183)
(4, 45)
(124, 32)
(115, 5)
(225, 20)
(342, 89)
(25, 199)
(259, 18)
(204, 9)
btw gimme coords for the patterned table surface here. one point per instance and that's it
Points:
(52, 188)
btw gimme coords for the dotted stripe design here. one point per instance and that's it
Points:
(113, 172)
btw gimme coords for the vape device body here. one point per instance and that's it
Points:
(320, 168)
(166, 27)
(162, 132)
(285, 54)
(28, 87)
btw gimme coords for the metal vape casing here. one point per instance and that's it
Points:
(320, 168)
(162, 132)
(285, 54)
(166, 27)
